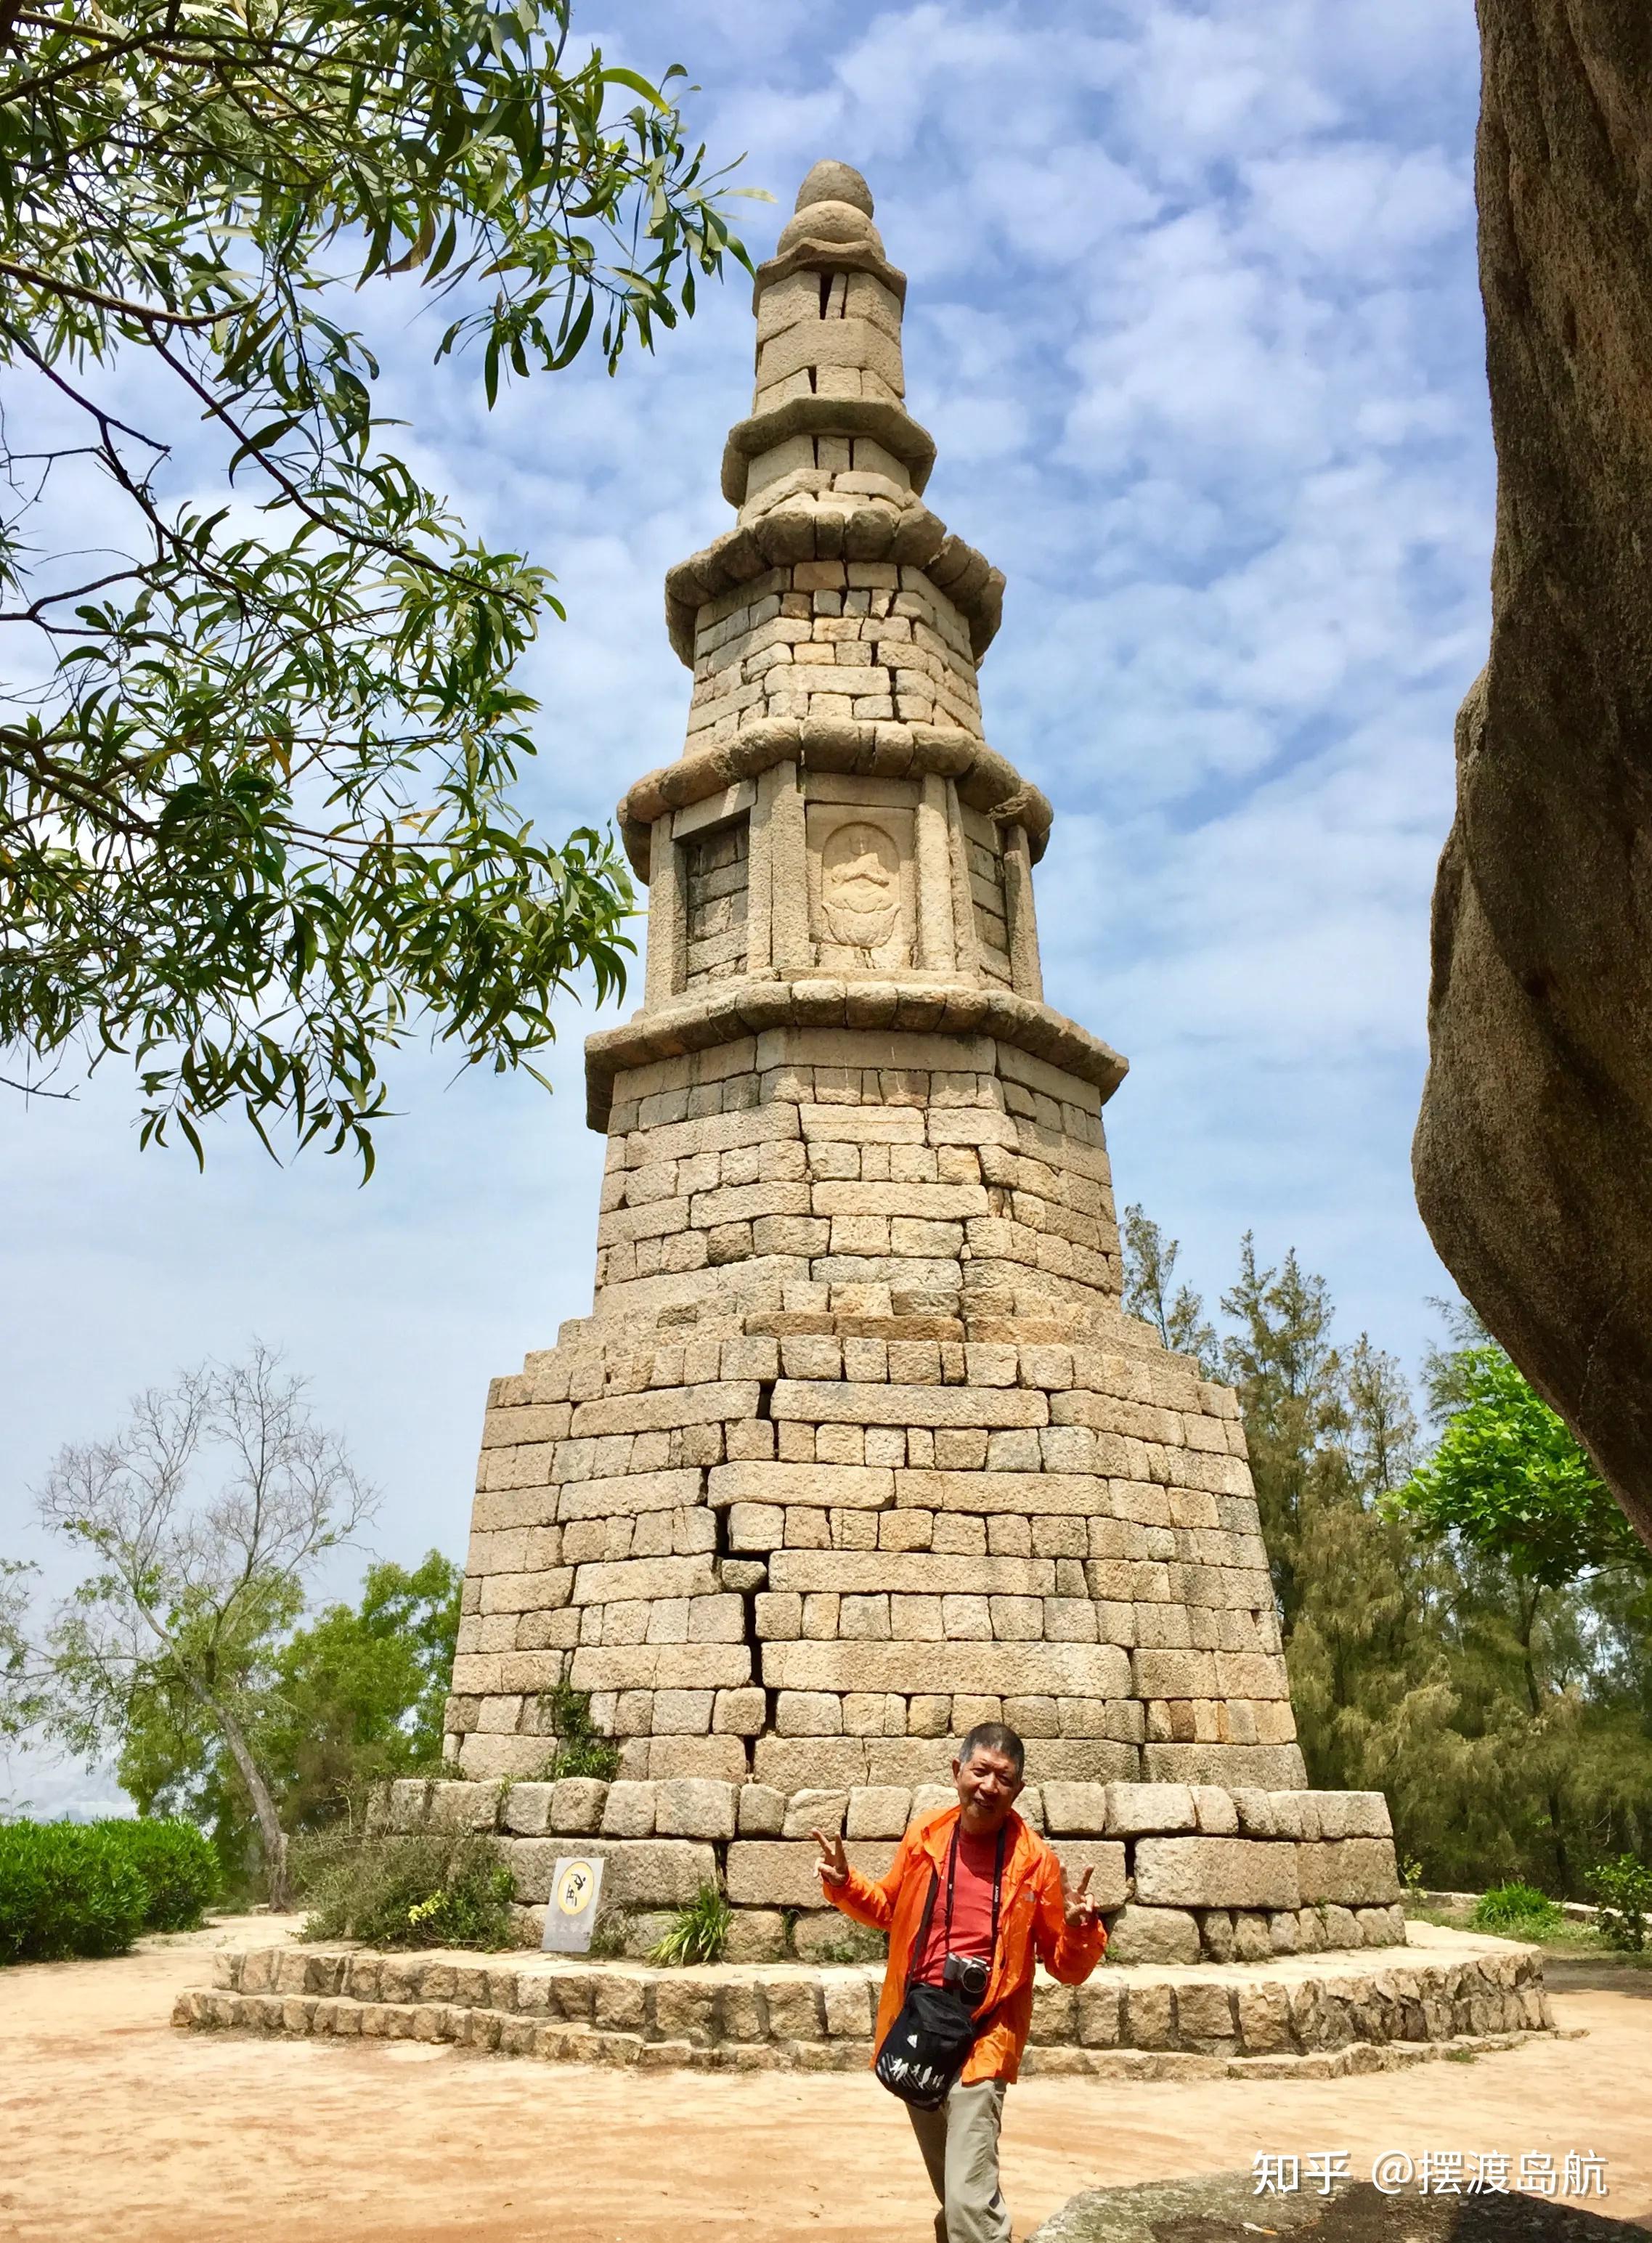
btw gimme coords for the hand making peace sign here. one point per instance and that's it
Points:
(833, 1865)
(1078, 1907)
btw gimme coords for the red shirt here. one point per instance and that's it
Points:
(971, 1909)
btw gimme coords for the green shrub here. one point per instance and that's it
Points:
(1517, 1912)
(178, 1865)
(581, 1748)
(1622, 1889)
(405, 1892)
(67, 1888)
(698, 1933)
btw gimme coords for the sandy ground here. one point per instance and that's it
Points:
(114, 2126)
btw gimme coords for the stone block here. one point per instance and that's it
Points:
(1252, 1936)
(463, 1807)
(685, 2011)
(1054, 2020)
(824, 1935)
(691, 1807)
(808, 1811)
(756, 1526)
(1264, 2014)
(862, 1403)
(1217, 1815)
(916, 1572)
(1174, 1673)
(850, 2008)
(664, 1873)
(1216, 1873)
(685, 1713)
(739, 1713)
(837, 1486)
(716, 1760)
(806, 1713)
(1077, 1807)
(1154, 1935)
(1104, 1859)
(1215, 1933)
(602, 1584)
(1296, 1813)
(620, 2005)
(756, 1935)
(1135, 1808)
(696, 1668)
(525, 1809)
(964, 1668)
(1098, 2015)
(576, 1804)
(762, 1811)
(877, 1810)
(405, 1810)
(810, 1763)
(1271, 1768)
(794, 2009)
(1355, 1872)
(628, 1812)
(1342, 1926)
(1255, 1811)
(1351, 1814)
(1150, 2017)
(763, 1873)
(1204, 2013)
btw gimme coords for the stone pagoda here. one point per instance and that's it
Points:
(856, 1447)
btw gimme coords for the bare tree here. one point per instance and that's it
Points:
(190, 1595)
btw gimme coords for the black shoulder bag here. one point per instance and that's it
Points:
(924, 2050)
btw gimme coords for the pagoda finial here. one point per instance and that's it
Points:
(828, 181)
(828, 306)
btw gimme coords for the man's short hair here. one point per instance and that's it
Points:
(993, 1736)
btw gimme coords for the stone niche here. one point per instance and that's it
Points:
(862, 872)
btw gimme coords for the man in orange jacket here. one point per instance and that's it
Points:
(939, 1899)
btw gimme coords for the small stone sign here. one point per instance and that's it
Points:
(575, 1887)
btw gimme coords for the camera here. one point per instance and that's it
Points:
(967, 1973)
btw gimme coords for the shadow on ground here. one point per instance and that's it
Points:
(1224, 2208)
(1575, 1974)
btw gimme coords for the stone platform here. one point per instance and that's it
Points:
(1447, 1993)
(1181, 1872)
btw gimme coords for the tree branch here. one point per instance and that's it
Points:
(151, 314)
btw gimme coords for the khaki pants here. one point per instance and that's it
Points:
(959, 2146)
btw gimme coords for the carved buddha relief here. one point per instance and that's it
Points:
(862, 885)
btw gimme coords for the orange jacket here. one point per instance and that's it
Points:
(1032, 1923)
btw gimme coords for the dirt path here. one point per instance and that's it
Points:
(113, 2125)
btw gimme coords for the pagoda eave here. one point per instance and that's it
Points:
(936, 1006)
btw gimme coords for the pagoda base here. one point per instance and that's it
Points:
(1184, 1873)
(1449, 1994)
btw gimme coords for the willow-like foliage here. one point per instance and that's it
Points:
(258, 744)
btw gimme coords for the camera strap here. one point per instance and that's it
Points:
(998, 1884)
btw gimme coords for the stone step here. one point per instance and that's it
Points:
(1237, 2021)
(494, 2032)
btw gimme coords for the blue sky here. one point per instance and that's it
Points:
(1193, 317)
